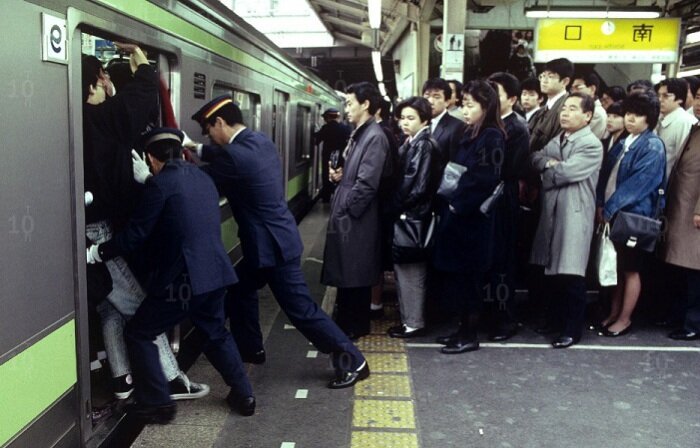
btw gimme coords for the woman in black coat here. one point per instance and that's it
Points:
(418, 176)
(464, 243)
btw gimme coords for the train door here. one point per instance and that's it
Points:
(279, 131)
(104, 385)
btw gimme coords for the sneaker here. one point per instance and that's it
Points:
(123, 386)
(181, 388)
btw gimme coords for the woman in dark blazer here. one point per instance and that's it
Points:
(465, 237)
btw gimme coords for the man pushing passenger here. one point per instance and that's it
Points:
(246, 167)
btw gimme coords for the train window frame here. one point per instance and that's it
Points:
(221, 88)
(303, 141)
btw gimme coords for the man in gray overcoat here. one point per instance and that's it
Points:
(569, 166)
(351, 259)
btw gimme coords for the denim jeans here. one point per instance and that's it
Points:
(120, 306)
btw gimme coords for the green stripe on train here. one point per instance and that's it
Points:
(297, 185)
(32, 380)
(169, 22)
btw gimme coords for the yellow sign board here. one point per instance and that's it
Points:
(608, 40)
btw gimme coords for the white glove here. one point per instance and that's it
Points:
(141, 171)
(93, 254)
(187, 142)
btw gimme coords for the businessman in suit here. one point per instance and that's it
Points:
(446, 129)
(178, 220)
(246, 167)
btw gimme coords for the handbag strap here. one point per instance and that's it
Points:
(662, 191)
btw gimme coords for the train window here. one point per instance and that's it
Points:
(302, 142)
(248, 102)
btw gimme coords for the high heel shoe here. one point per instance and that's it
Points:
(613, 334)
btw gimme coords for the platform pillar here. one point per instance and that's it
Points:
(454, 24)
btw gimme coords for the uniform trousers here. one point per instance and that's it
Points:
(288, 285)
(159, 313)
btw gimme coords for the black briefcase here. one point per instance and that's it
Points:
(413, 238)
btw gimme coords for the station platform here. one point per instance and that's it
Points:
(636, 391)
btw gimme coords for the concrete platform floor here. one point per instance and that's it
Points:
(641, 390)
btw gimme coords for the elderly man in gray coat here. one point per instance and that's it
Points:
(569, 166)
(351, 259)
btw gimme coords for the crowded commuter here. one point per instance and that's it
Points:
(696, 104)
(178, 216)
(682, 234)
(639, 85)
(554, 80)
(246, 167)
(411, 207)
(454, 106)
(693, 85)
(530, 97)
(611, 95)
(501, 286)
(111, 127)
(615, 127)
(674, 126)
(464, 242)
(590, 85)
(445, 128)
(569, 166)
(352, 255)
(520, 63)
(334, 136)
(630, 180)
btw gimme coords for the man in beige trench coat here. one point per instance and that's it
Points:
(682, 242)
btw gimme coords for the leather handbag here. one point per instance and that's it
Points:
(488, 205)
(413, 238)
(450, 179)
(636, 231)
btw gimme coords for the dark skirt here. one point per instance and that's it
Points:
(631, 260)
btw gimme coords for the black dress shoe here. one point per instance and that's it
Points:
(684, 335)
(244, 406)
(401, 332)
(160, 415)
(447, 340)
(502, 334)
(599, 326)
(348, 378)
(613, 334)
(353, 336)
(258, 357)
(376, 314)
(460, 346)
(564, 342)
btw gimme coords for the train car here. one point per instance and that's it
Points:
(49, 363)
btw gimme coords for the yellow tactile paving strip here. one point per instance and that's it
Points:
(383, 409)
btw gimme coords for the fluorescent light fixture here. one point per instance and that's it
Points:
(382, 89)
(374, 8)
(684, 73)
(692, 38)
(562, 12)
(377, 64)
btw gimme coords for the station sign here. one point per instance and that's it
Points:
(608, 40)
(53, 39)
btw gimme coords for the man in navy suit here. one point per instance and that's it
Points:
(446, 129)
(246, 167)
(179, 218)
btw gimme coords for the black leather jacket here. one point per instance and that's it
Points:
(419, 172)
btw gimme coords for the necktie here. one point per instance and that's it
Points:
(351, 144)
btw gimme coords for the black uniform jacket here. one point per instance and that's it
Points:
(248, 171)
(179, 216)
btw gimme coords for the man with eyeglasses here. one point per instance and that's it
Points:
(673, 129)
(554, 81)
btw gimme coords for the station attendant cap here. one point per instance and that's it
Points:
(210, 108)
(159, 134)
(331, 112)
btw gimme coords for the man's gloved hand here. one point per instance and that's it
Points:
(93, 254)
(141, 171)
(187, 142)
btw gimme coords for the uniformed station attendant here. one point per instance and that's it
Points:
(180, 220)
(247, 169)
